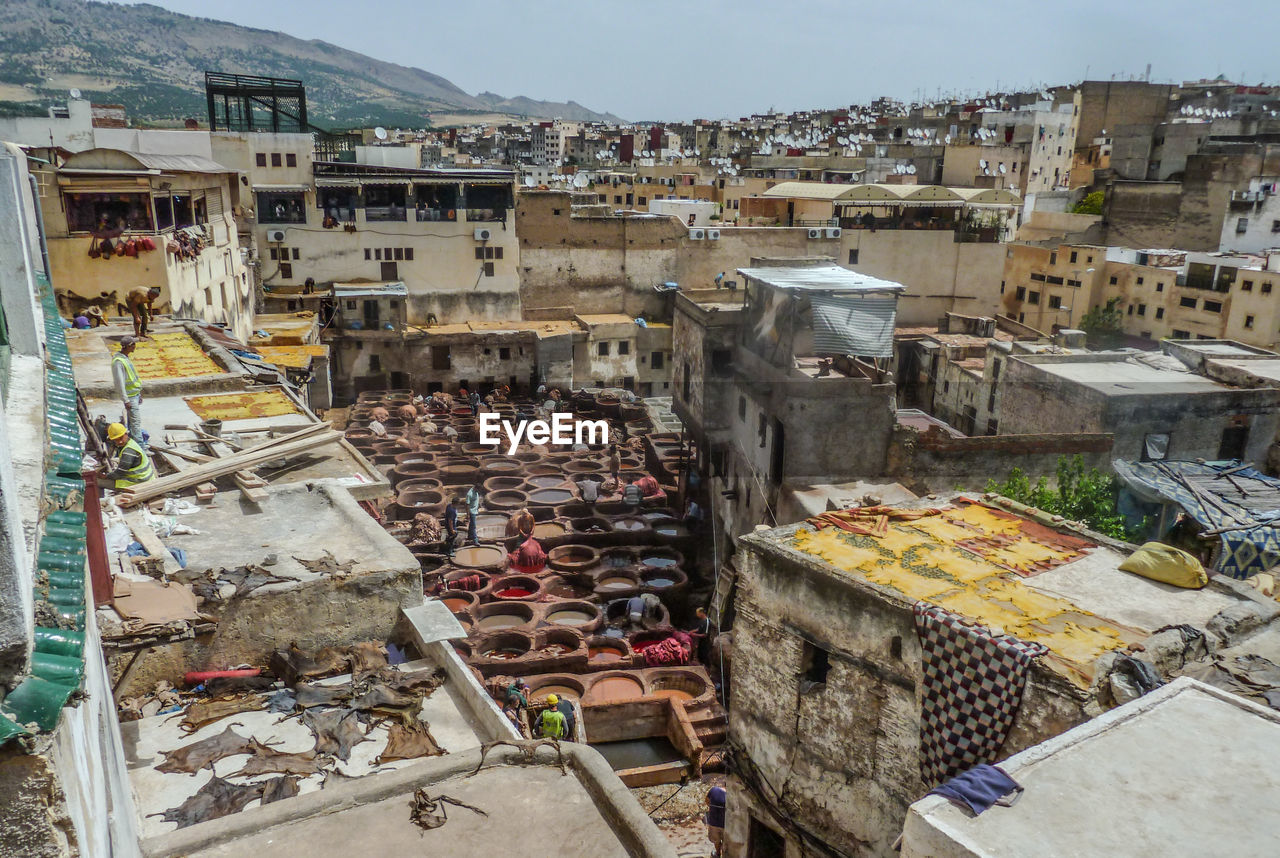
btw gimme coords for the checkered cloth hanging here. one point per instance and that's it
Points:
(973, 682)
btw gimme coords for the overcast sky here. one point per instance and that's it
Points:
(685, 59)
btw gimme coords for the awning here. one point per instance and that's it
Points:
(851, 324)
(355, 182)
(280, 188)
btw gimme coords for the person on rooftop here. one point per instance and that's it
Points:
(529, 558)
(139, 302)
(128, 386)
(132, 466)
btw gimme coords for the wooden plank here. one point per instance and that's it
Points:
(147, 538)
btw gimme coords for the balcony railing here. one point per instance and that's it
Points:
(492, 215)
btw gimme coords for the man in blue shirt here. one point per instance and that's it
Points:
(473, 512)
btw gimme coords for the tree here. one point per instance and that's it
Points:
(1103, 325)
(1087, 496)
(1091, 204)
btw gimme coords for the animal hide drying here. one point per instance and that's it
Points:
(216, 799)
(196, 756)
(408, 743)
(336, 731)
(275, 789)
(207, 711)
(308, 695)
(265, 761)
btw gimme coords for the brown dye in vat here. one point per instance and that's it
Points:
(615, 584)
(675, 693)
(558, 690)
(568, 591)
(614, 688)
(503, 654)
(456, 605)
(478, 555)
(570, 618)
(557, 649)
(500, 621)
(603, 654)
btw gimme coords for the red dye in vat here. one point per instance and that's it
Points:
(641, 646)
(513, 593)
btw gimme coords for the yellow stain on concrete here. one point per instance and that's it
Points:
(298, 357)
(172, 355)
(242, 406)
(921, 560)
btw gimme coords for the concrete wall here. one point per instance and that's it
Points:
(933, 461)
(838, 762)
(1035, 402)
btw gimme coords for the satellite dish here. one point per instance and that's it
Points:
(947, 140)
(911, 169)
(529, 181)
(983, 163)
(1003, 168)
(380, 133)
(75, 93)
(580, 180)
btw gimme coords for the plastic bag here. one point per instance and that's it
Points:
(1167, 564)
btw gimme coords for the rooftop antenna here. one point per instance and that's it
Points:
(380, 133)
(75, 93)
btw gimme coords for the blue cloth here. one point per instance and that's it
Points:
(135, 549)
(977, 789)
(451, 519)
(715, 807)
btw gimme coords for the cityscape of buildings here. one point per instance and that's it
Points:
(802, 602)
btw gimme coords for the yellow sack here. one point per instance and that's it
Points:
(1161, 562)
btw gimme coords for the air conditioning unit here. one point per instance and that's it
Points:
(483, 233)
(697, 234)
(275, 236)
(815, 233)
(833, 232)
(713, 235)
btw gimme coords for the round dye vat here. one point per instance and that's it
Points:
(500, 621)
(675, 693)
(503, 653)
(520, 592)
(558, 690)
(550, 496)
(546, 482)
(630, 524)
(479, 556)
(615, 583)
(603, 654)
(564, 590)
(616, 560)
(570, 617)
(656, 583)
(549, 530)
(658, 561)
(614, 688)
(556, 649)
(456, 605)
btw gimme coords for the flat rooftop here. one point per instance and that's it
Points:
(172, 361)
(1117, 786)
(1265, 369)
(1122, 376)
(1007, 571)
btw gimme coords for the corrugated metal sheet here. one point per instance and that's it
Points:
(822, 278)
(859, 325)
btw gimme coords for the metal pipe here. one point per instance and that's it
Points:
(44, 244)
(96, 543)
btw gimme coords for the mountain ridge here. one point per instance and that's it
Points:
(153, 61)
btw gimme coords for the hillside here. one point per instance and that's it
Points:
(153, 61)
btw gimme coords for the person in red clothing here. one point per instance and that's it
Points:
(529, 558)
(648, 485)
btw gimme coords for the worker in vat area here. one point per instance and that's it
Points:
(128, 386)
(517, 695)
(615, 461)
(132, 465)
(715, 819)
(550, 724)
(473, 512)
(139, 303)
(451, 526)
(565, 707)
(703, 632)
(589, 491)
(632, 495)
(649, 488)
(474, 401)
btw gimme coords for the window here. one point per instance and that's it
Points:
(815, 664)
(440, 357)
(504, 353)
(389, 271)
(655, 360)
(290, 159)
(1074, 284)
(742, 408)
(642, 201)
(1130, 310)
(1181, 335)
(1159, 286)
(721, 361)
(617, 199)
(275, 159)
(295, 253)
(624, 347)
(688, 383)
(1057, 281)
(277, 207)
(1187, 302)
(1142, 309)
(385, 203)
(1021, 294)
(488, 269)
(1275, 226)
(763, 841)
(1159, 312)
(762, 429)
(286, 271)
(399, 254)
(1053, 258)
(1073, 256)
(1266, 288)
(375, 363)
(853, 256)
(260, 159)
(94, 212)
(1234, 441)
(436, 202)
(1139, 281)
(602, 349)
(1055, 302)
(1242, 225)
(1033, 297)
(1246, 285)
(1155, 447)
(1248, 321)
(1213, 306)
(1039, 278)
(1115, 280)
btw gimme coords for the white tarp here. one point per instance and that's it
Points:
(859, 325)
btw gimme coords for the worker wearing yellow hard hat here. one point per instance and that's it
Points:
(132, 465)
(550, 724)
